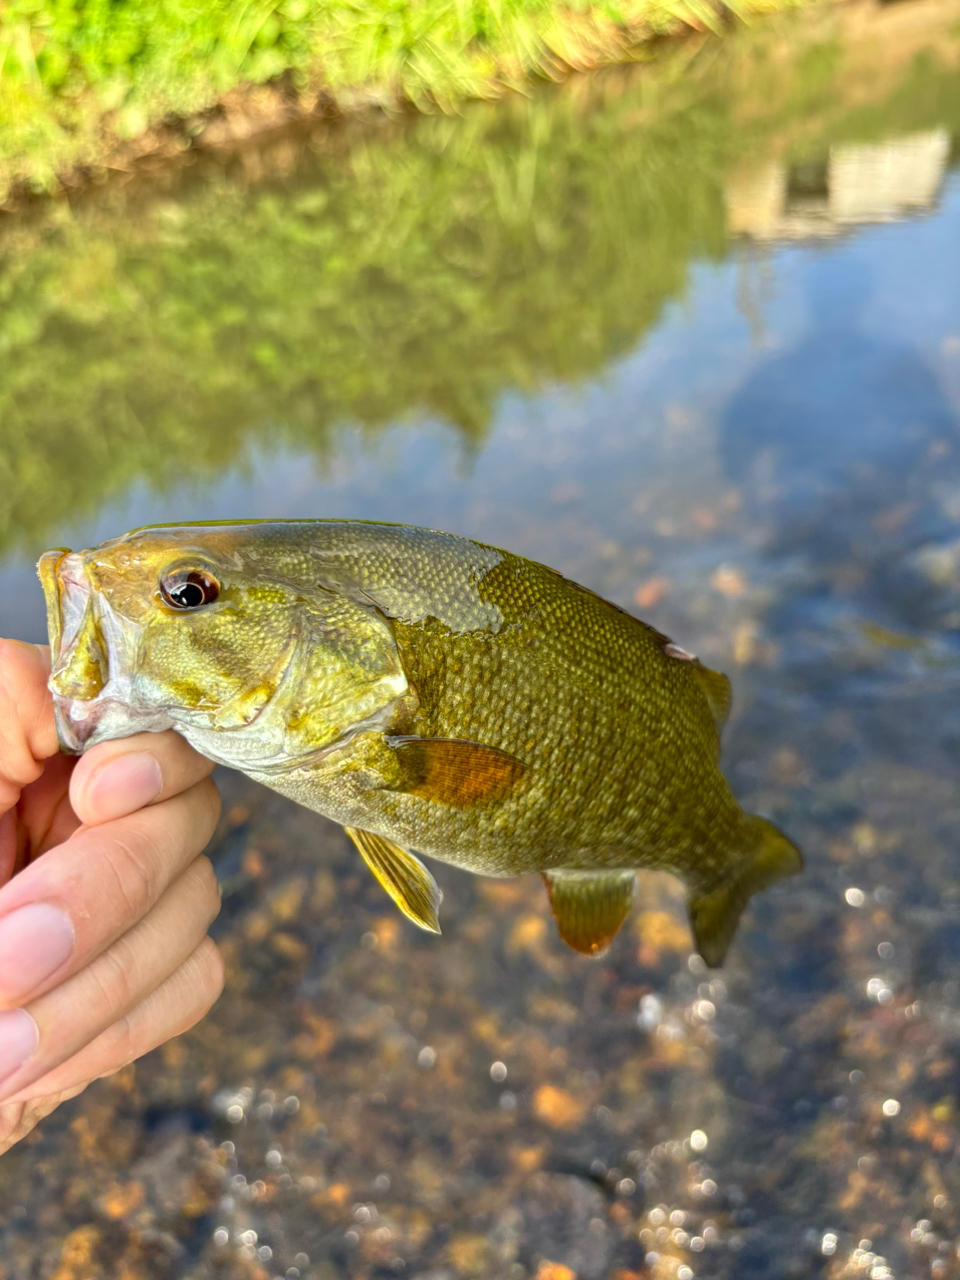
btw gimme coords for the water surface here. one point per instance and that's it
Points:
(690, 334)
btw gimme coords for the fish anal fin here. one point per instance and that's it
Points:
(455, 772)
(590, 906)
(404, 877)
(714, 916)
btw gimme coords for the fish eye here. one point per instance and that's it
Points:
(189, 588)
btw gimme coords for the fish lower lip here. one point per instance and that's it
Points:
(75, 723)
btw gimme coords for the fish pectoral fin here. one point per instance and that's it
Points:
(714, 916)
(405, 878)
(590, 906)
(453, 771)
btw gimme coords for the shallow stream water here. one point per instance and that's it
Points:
(689, 333)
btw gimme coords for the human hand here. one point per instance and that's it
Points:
(105, 899)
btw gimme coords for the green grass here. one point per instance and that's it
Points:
(80, 78)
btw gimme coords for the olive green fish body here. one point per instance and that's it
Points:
(430, 693)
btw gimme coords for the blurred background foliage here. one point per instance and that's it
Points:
(419, 267)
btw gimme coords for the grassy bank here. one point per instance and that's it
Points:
(97, 82)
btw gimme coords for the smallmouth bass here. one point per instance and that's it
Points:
(430, 693)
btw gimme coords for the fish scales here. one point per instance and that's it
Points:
(433, 694)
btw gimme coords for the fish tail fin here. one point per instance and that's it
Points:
(714, 916)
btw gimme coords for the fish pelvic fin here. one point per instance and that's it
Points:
(590, 906)
(403, 876)
(714, 916)
(455, 772)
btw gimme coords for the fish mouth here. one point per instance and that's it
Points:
(92, 652)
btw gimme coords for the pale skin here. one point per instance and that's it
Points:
(105, 899)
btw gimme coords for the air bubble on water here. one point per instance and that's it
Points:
(427, 1057)
(878, 989)
(626, 1187)
(891, 1107)
(828, 1245)
(855, 897)
(274, 1158)
(221, 1236)
(381, 1182)
(885, 950)
(498, 1072)
(508, 1101)
(651, 1012)
(699, 1140)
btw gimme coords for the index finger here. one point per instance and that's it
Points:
(28, 733)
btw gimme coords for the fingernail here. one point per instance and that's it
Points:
(19, 1037)
(123, 785)
(34, 942)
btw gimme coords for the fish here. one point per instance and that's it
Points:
(434, 695)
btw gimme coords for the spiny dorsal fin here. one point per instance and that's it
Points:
(719, 694)
(452, 771)
(714, 916)
(589, 906)
(405, 878)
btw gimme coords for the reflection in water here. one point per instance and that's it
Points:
(856, 185)
(841, 430)
(371, 275)
(365, 1100)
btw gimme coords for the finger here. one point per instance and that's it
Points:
(44, 815)
(18, 1118)
(28, 733)
(70, 905)
(115, 778)
(57, 1025)
(177, 1004)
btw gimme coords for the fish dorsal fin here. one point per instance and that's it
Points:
(714, 916)
(453, 771)
(405, 878)
(718, 692)
(590, 906)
